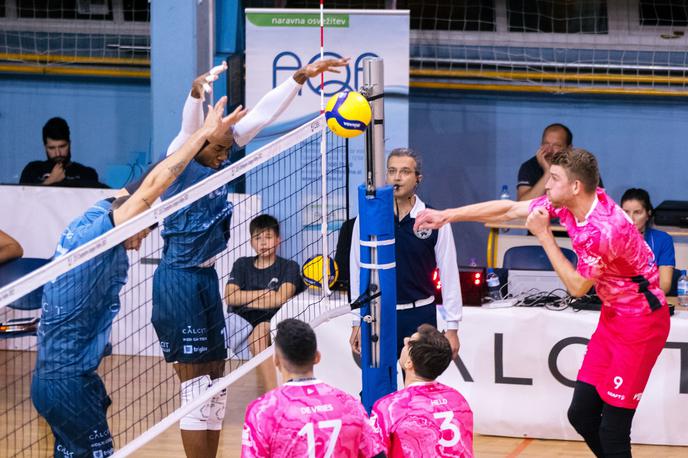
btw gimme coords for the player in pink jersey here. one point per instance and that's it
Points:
(426, 418)
(612, 255)
(305, 417)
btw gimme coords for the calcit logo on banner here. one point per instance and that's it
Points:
(502, 352)
(286, 63)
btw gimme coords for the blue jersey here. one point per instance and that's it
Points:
(662, 246)
(79, 306)
(199, 231)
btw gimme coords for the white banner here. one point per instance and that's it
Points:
(280, 41)
(517, 368)
(36, 215)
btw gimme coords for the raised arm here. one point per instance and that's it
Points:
(192, 114)
(167, 170)
(273, 104)
(492, 211)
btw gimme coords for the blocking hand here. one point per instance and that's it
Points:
(216, 124)
(204, 83)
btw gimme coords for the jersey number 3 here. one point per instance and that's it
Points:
(447, 425)
(307, 430)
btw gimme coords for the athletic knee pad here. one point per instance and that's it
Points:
(216, 412)
(197, 419)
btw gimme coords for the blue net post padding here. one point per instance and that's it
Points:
(377, 219)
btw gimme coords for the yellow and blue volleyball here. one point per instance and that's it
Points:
(348, 114)
(312, 272)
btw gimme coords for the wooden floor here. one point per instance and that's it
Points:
(35, 438)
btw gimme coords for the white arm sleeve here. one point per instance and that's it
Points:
(355, 265)
(192, 120)
(266, 111)
(445, 253)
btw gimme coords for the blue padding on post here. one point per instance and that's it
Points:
(377, 218)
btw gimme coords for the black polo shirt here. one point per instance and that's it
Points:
(76, 175)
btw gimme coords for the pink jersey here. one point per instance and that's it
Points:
(308, 419)
(612, 252)
(424, 419)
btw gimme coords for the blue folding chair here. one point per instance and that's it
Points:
(532, 257)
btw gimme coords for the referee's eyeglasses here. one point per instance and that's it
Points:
(404, 172)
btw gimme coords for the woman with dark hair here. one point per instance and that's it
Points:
(636, 203)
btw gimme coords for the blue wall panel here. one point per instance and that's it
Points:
(109, 120)
(474, 143)
(471, 143)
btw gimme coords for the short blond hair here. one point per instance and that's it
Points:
(580, 165)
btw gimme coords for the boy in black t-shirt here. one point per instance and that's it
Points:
(259, 285)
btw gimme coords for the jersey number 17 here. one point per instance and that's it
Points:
(308, 431)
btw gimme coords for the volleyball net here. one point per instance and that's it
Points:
(584, 46)
(286, 179)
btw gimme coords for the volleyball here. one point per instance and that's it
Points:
(348, 114)
(312, 272)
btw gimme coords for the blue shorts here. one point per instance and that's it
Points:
(76, 410)
(187, 314)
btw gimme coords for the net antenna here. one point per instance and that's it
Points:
(323, 161)
(378, 267)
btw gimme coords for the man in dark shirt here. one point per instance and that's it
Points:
(58, 169)
(534, 172)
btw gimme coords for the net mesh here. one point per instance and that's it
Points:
(590, 46)
(283, 179)
(75, 37)
(558, 46)
(636, 47)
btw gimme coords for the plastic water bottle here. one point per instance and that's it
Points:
(493, 286)
(504, 194)
(682, 289)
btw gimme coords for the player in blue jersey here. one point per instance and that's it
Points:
(187, 305)
(80, 305)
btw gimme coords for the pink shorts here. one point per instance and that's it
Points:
(621, 354)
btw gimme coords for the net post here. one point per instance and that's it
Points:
(378, 272)
(374, 90)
